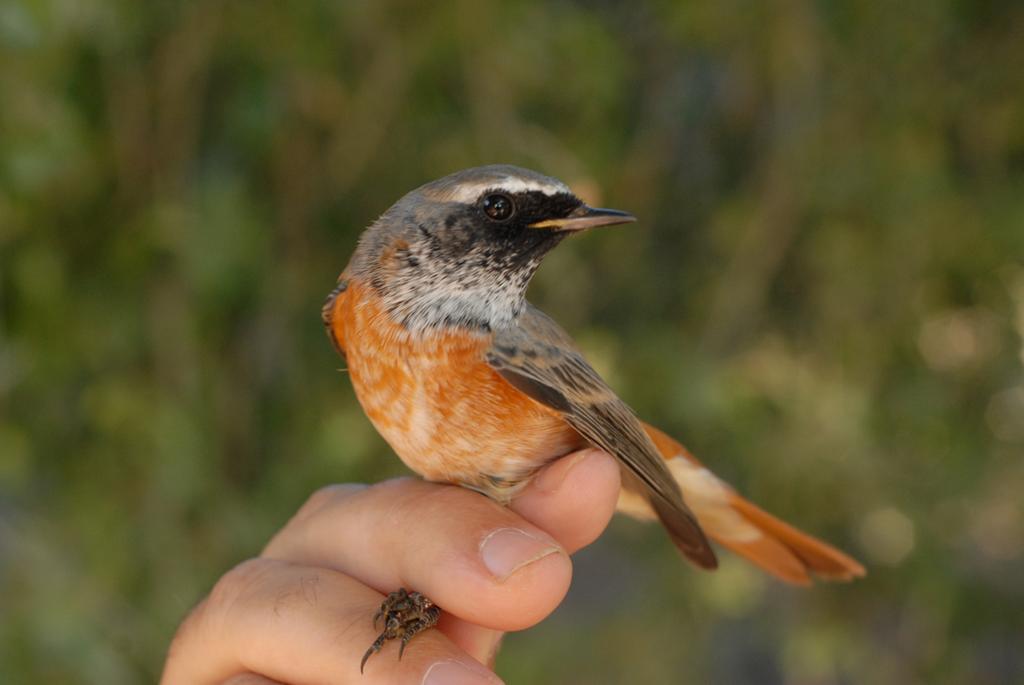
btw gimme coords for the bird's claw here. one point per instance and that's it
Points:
(405, 615)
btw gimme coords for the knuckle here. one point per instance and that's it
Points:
(325, 496)
(423, 501)
(178, 648)
(435, 504)
(238, 583)
(208, 612)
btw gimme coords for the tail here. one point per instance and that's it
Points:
(743, 527)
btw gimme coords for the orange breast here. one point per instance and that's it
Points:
(433, 397)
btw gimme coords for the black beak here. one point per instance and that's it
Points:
(584, 217)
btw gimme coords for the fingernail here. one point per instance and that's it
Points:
(552, 477)
(458, 673)
(507, 550)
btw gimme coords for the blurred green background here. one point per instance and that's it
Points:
(824, 298)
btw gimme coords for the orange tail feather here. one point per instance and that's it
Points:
(748, 530)
(821, 558)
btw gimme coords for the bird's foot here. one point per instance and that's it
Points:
(405, 614)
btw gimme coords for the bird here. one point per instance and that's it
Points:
(471, 384)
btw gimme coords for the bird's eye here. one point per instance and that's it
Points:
(499, 207)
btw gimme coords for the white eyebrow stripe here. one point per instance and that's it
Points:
(469, 193)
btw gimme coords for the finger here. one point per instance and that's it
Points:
(480, 643)
(573, 499)
(299, 624)
(472, 557)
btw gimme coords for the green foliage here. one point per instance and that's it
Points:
(824, 298)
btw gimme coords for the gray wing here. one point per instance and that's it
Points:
(541, 360)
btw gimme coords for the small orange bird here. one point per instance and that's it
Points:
(471, 384)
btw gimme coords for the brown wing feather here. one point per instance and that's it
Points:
(540, 359)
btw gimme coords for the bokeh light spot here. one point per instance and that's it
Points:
(887, 535)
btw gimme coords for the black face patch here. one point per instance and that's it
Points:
(469, 238)
(511, 243)
(532, 206)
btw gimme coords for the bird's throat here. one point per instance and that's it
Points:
(443, 307)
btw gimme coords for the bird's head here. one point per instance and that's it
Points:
(460, 251)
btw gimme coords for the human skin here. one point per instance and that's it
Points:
(301, 612)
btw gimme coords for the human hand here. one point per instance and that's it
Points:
(301, 612)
